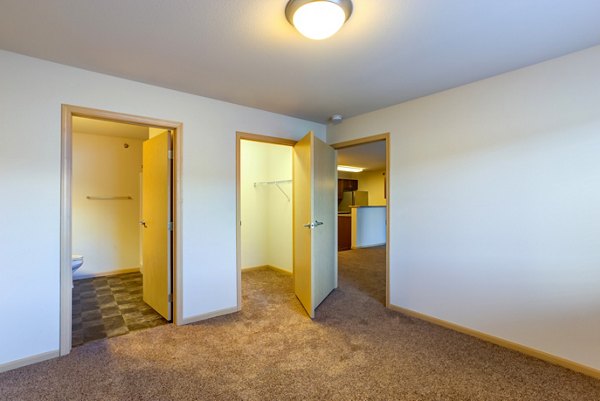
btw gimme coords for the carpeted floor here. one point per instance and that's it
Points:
(354, 350)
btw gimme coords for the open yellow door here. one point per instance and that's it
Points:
(315, 197)
(156, 223)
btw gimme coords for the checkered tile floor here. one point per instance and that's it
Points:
(110, 306)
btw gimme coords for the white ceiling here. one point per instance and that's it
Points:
(91, 126)
(370, 156)
(245, 52)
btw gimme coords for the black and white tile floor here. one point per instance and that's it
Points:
(110, 306)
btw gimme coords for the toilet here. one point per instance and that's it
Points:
(76, 262)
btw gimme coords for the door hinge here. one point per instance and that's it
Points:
(170, 155)
(170, 226)
(170, 297)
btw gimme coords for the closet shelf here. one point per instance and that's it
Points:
(276, 183)
(109, 197)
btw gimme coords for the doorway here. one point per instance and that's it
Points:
(140, 209)
(363, 214)
(312, 199)
(264, 208)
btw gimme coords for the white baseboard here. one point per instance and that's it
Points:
(250, 268)
(204, 316)
(368, 246)
(108, 273)
(28, 361)
(275, 268)
(280, 269)
(553, 359)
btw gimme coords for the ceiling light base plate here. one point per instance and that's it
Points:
(336, 118)
(294, 5)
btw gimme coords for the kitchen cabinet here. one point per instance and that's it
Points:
(344, 232)
(346, 185)
(350, 185)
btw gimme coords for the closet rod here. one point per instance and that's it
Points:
(271, 182)
(276, 183)
(109, 197)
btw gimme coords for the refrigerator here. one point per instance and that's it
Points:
(354, 198)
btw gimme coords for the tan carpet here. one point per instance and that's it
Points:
(354, 350)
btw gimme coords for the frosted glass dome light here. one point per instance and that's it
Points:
(318, 19)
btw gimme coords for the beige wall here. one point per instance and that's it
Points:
(494, 217)
(266, 213)
(152, 132)
(347, 175)
(373, 182)
(106, 233)
(279, 208)
(253, 211)
(33, 91)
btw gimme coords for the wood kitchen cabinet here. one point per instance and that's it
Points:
(346, 185)
(344, 232)
(350, 185)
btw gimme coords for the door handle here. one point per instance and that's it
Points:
(313, 225)
(143, 222)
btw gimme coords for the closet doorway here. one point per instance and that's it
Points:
(286, 200)
(119, 192)
(265, 209)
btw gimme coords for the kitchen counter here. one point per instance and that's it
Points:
(369, 226)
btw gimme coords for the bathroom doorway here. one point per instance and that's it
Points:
(119, 217)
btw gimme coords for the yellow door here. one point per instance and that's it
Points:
(156, 223)
(315, 197)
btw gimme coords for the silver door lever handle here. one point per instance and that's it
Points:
(313, 225)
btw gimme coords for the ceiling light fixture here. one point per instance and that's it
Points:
(318, 19)
(336, 118)
(350, 169)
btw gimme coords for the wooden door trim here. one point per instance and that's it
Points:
(370, 139)
(67, 114)
(265, 139)
(239, 136)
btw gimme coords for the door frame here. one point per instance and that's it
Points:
(370, 139)
(66, 274)
(239, 136)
